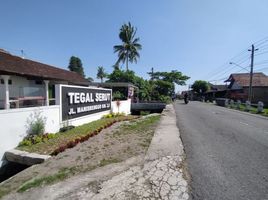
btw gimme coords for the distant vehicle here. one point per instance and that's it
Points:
(186, 98)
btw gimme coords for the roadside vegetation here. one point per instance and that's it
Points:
(52, 144)
(253, 109)
(122, 140)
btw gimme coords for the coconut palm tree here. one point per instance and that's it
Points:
(128, 50)
(101, 73)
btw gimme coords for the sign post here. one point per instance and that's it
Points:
(78, 101)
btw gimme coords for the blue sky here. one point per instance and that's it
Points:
(198, 38)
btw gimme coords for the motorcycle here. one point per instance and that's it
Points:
(186, 100)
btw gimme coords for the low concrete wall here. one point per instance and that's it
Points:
(14, 121)
(85, 119)
(124, 106)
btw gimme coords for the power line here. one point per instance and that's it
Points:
(260, 42)
(238, 58)
(261, 53)
(262, 69)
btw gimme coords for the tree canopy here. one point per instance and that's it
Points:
(128, 50)
(200, 86)
(160, 89)
(90, 79)
(75, 65)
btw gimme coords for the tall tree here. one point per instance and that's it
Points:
(75, 65)
(101, 73)
(200, 86)
(164, 82)
(128, 50)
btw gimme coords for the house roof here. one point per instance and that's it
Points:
(259, 79)
(14, 65)
(217, 87)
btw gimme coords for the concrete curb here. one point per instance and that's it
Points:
(24, 157)
(166, 140)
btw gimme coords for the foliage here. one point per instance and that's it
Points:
(90, 79)
(61, 175)
(128, 50)
(114, 115)
(70, 138)
(75, 65)
(117, 95)
(101, 73)
(160, 89)
(35, 124)
(36, 139)
(173, 77)
(121, 76)
(104, 162)
(200, 86)
(163, 85)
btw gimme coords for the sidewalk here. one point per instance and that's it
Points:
(157, 176)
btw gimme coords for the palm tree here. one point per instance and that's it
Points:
(101, 73)
(128, 51)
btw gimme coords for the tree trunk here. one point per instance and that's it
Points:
(127, 61)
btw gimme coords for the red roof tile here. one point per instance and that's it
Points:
(10, 64)
(259, 79)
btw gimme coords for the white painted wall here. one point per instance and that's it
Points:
(85, 119)
(14, 121)
(124, 106)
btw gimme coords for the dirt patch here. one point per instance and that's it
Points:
(114, 144)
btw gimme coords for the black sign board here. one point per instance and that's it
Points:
(81, 101)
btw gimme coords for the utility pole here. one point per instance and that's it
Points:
(251, 72)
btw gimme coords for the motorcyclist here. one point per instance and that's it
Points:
(186, 97)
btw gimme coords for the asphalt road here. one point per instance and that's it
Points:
(226, 152)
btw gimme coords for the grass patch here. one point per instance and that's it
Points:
(47, 180)
(132, 138)
(3, 192)
(139, 126)
(104, 162)
(62, 139)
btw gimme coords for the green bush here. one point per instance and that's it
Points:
(112, 115)
(37, 139)
(50, 135)
(165, 99)
(118, 96)
(36, 124)
(25, 142)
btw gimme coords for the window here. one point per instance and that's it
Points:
(9, 81)
(38, 82)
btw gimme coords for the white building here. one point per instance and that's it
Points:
(28, 86)
(25, 83)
